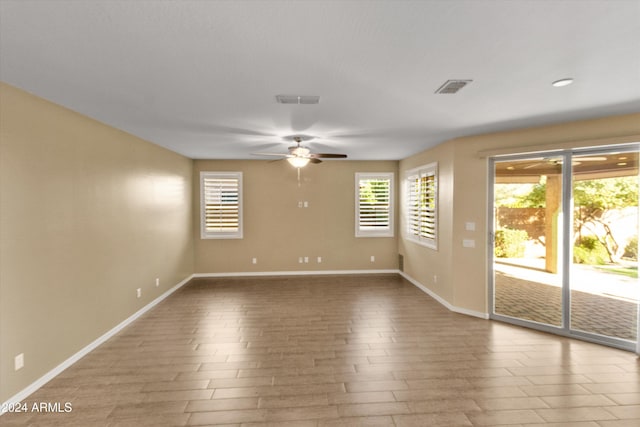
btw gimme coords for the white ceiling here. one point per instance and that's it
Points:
(200, 77)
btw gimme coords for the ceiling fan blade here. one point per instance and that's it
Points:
(270, 154)
(268, 146)
(314, 160)
(533, 165)
(328, 156)
(236, 131)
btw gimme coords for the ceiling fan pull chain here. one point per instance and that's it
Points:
(298, 176)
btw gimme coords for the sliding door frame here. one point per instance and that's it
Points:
(566, 248)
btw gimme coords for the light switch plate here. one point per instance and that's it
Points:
(18, 362)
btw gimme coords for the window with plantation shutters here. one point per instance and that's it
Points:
(374, 204)
(421, 205)
(221, 205)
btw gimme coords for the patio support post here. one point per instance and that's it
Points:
(551, 226)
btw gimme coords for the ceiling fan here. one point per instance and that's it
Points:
(558, 161)
(299, 156)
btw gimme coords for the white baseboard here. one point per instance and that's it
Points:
(20, 396)
(295, 273)
(442, 300)
(338, 272)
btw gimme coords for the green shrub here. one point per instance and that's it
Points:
(631, 250)
(510, 243)
(589, 250)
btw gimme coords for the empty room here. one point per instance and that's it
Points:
(319, 213)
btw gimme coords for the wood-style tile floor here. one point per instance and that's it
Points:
(336, 351)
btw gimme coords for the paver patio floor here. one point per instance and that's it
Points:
(518, 297)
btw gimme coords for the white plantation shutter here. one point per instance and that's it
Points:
(428, 205)
(413, 205)
(221, 205)
(374, 205)
(421, 198)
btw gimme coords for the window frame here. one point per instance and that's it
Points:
(236, 234)
(411, 225)
(388, 231)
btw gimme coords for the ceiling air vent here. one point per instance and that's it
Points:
(452, 86)
(298, 99)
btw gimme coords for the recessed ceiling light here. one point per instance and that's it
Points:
(562, 82)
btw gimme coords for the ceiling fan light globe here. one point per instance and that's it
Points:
(298, 162)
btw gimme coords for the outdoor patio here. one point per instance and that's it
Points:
(601, 303)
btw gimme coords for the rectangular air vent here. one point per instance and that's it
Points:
(298, 99)
(452, 86)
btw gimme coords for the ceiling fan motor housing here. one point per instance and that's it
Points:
(299, 151)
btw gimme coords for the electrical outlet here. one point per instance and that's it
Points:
(300, 260)
(306, 260)
(254, 260)
(300, 204)
(435, 278)
(157, 282)
(139, 292)
(306, 204)
(373, 258)
(18, 362)
(319, 259)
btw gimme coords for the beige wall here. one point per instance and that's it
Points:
(464, 171)
(277, 232)
(430, 267)
(87, 215)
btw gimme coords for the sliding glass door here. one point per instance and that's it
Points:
(527, 200)
(604, 265)
(565, 241)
